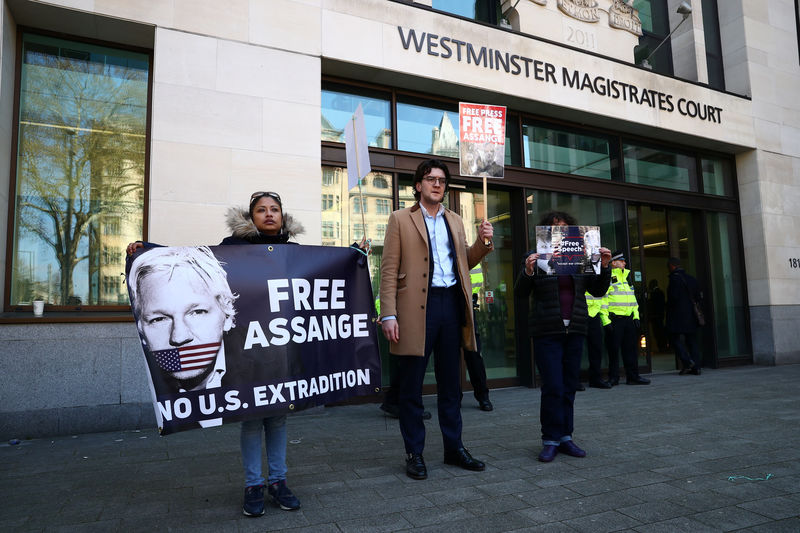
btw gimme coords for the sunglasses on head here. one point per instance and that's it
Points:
(260, 194)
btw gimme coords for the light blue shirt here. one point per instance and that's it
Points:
(443, 273)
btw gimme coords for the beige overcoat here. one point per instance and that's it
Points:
(405, 278)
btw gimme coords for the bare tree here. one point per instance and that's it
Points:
(81, 155)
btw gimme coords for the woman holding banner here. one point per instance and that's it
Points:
(263, 223)
(557, 323)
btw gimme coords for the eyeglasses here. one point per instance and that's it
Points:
(260, 194)
(435, 181)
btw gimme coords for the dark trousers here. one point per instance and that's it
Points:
(475, 367)
(558, 358)
(443, 338)
(477, 374)
(691, 357)
(624, 340)
(594, 345)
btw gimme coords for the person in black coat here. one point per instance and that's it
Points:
(557, 322)
(682, 291)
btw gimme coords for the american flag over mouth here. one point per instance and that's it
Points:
(188, 357)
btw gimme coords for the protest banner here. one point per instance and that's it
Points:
(482, 138)
(236, 332)
(568, 249)
(357, 154)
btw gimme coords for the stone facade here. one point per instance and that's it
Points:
(236, 108)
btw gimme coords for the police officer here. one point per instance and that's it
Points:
(594, 339)
(623, 314)
(475, 365)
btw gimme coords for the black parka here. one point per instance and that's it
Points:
(544, 315)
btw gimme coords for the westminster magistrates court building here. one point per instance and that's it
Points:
(674, 126)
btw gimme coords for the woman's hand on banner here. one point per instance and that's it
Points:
(605, 256)
(132, 247)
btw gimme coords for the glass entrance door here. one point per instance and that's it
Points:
(492, 279)
(656, 234)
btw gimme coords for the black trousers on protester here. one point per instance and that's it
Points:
(443, 339)
(475, 368)
(594, 345)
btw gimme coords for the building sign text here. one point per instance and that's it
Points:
(449, 48)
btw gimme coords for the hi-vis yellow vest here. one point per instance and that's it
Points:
(598, 304)
(620, 297)
(476, 278)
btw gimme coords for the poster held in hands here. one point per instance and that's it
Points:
(568, 249)
(230, 333)
(482, 138)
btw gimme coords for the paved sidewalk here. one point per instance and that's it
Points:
(718, 452)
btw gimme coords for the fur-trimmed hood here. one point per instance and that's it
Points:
(242, 227)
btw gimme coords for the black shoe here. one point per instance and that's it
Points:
(613, 382)
(580, 387)
(485, 405)
(548, 453)
(683, 372)
(637, 380)
(695, 371)
(394, 411)
(462, 458)
(600, 384)
(283, 497)
(570, 448)
(253, 501)
(415, 466)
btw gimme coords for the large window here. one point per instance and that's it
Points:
(558, 150)
(654, 15)
(716, 71)
(80, 166)
(427, 127)
(340, 102)
(482, 10)
(659, 167)
(727, 285)
(717, 176)
(609, 215)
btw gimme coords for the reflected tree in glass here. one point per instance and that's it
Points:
(80, 169)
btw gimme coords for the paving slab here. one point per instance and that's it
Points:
(716, 452)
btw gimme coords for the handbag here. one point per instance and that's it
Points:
(696, 309)
(698, 313)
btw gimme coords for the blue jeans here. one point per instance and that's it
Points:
(275, 433)
(558, 358)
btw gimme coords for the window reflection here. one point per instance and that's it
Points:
(483, 10)
(340, 102)
(727, 285)
(80, 171)
(659, 167)
(566, 152)
(608, 214)
(427, 128)
(348, 215)
(717, 176)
